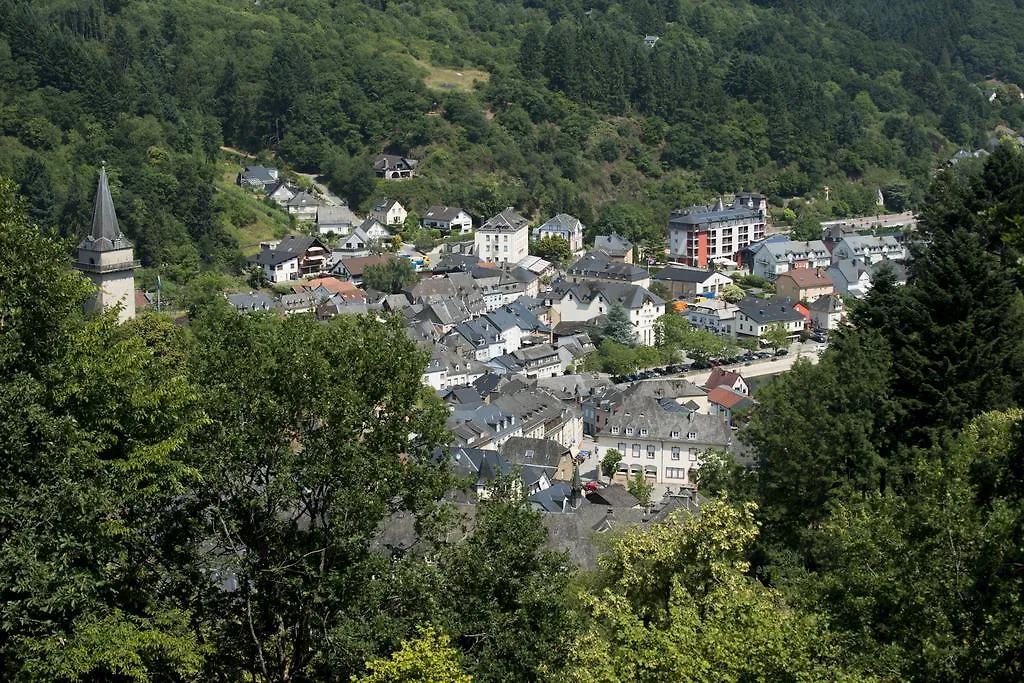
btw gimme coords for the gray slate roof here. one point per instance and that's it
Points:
(594, 264)
(506, 221)
(538, 452)
(683, 274)
(106, 233)
(774, 310)
(613, 245)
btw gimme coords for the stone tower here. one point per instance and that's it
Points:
(106, 257)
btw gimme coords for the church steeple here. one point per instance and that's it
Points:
(106, 257)
(106, 233)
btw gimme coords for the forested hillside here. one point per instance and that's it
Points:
(547, 105)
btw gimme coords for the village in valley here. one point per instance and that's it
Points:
(514, 340)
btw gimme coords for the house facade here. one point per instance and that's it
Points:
(303, 206)
(804, 284)
(293, 258)
(389, 212)
(565, 226)
(339, 220)
(258, 178)
(713, 315)
(827, 312)
(394, 167)
(667, 446)
(504, 238)
(869, 249)
(701, 235)
(447, 219)
(850, 277)
(774, 258)
(755, 316)
(571, 302)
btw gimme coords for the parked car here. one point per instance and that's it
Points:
(781, 352)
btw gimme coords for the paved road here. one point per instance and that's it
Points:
(771, 366)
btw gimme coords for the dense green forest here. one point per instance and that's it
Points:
(548, 105)
(248, 497)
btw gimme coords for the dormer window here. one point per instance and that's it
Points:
(692, 436)
(675, 435)
(629, 431)
(615, 430)
(643, 432)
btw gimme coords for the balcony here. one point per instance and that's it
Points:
(107, 268)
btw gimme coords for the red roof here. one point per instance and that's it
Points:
(808, 277)
(357, 264)
(726, 397)
(720, 377)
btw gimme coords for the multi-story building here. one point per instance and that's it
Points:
(504, 238)
(772, 258)
(293, 258)
(700, 235)
(571, 302)
(690, 283)
(667, 446)
(869, 249)
(755, 316)
(803, 284)
(713, 315)
(594, 266)
(565, 226)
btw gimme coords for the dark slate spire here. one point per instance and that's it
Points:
(104, 220)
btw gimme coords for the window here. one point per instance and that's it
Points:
(615, 430)
(693, 454)
(636, 450)
(676, 452)
(675, 435)
(629, 431)
(643, 431)
(675, 472)
(622, 448)
(692, 436)
(650, 452)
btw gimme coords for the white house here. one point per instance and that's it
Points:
(827, 312)
(578, 302)
(665, 445)
(755, 316)
(303, 206)
(850, 277)
(293, 258)
(389, 212)
(774, 258)
(447, 219)
(504, 238)
(565, 226)
(339, 220)
(713, 315)
(869, 249)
